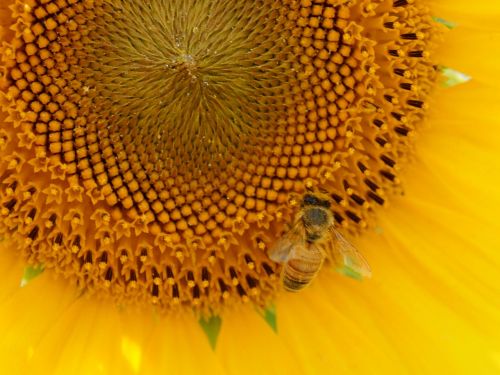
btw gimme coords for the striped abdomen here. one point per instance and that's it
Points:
(299, 271)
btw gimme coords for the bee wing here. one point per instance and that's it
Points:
(284, 248)
(349, 260)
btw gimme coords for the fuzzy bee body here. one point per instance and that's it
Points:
(302, 248)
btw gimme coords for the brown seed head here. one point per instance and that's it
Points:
(151, 150)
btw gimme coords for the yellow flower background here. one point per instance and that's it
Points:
(433, 305)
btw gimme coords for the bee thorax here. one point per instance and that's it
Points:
(316, 216)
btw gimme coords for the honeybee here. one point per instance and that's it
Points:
(306, 245)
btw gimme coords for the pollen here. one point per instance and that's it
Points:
(153, 151)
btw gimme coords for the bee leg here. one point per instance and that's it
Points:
(324, 252)
(286, 228)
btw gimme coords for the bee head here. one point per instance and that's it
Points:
(313, 200)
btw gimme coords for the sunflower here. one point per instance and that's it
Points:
(154, 151)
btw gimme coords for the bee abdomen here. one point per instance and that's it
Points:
(299, 274)
(293, 285)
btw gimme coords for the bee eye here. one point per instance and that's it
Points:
(309, 200)
(324, 203)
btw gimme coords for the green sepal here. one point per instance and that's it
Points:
(450, 25)
(30, 273)
(211, 327)
(270, 316)
(453, 77)
(349, 272)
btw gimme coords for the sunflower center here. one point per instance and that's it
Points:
(191, 80)
(153, 150)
